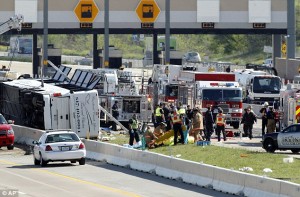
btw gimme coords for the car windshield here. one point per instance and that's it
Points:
(292, 129)
(192, 54)
(266, 85)
(222, 95)
(2, 120)
(63, 137)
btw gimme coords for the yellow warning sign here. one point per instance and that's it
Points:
(283, 48)
(147, 11)
(86, 11)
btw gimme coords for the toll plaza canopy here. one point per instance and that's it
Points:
(148, 16)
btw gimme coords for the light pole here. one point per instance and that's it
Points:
(286, 56)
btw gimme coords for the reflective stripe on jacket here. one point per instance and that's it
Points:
(176, 118)
(220, 119)
(181, 111)
(157, 112)
(134, 124)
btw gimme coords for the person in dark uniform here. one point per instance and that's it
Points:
(248, 120)
(159, 115)
(209, 123)
(264, 118)
(115, 114)
(167, 115)
(133, 130)
(189, 116)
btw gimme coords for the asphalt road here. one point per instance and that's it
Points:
(17, 172)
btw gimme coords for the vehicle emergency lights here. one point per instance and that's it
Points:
(57, 94)
(222, 84)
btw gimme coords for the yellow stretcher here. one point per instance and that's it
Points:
(164, 137)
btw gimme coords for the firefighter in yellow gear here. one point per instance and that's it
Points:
(220, 122)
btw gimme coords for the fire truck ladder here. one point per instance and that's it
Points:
(112, 118)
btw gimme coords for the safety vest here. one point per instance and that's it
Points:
(220, 119)
(134, 124)
(181, 111)
(176, 118)
(157, 112)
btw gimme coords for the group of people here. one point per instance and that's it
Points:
(268, 116)
(269, 119)
(180, 119)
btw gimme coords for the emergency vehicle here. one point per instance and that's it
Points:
(65, 105)
(290, 105)
(287, 139)
(119, 85)
(200, 89)
(226, 95)
(259, 86)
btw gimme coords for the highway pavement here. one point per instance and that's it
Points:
(17, 173)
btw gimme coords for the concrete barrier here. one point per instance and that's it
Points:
(228, 181)
(289, 189)
(25, 135)
(262, 186)
(224, 180)
(194, 173)
(144, 161)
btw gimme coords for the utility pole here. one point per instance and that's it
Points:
(106, 33)
(167, 34)
(45, 41)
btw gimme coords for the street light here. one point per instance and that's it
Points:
(286, 56)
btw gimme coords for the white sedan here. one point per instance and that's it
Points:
(58, 146)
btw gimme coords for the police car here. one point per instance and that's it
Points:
(287, 139)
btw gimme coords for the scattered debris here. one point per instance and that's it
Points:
(267, 170)
(246, 169)
(243, 155)
(288, 160)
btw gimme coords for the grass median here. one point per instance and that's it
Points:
(231, 158)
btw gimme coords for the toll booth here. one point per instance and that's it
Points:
(175, 57)
(54, 55)
(115, 58)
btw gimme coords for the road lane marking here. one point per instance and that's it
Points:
(119, 191)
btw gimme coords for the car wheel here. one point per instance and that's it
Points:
(36, 161)
(10, 147)
(295, 151)
(269, 146)
(236, 125)
(82, 161)
(43, 163)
